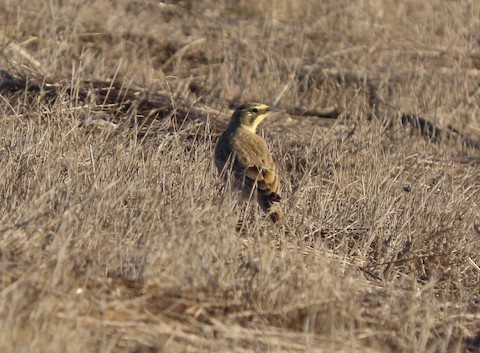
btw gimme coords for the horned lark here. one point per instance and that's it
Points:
(244, 155)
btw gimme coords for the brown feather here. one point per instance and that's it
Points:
(252, 166)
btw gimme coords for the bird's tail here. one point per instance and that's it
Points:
(270, 204)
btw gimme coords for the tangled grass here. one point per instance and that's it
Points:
(115, 231)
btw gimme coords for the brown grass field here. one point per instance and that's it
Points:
(116, 234)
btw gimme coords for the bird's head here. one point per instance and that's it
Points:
(250, 115)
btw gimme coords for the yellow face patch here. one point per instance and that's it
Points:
(253, 114)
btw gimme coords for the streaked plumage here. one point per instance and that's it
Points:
(244, 155)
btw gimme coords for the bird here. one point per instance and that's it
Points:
(243, 157)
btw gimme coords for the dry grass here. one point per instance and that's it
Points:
(115, 232)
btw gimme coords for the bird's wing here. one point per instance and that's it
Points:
(254, 155)
(266, 179)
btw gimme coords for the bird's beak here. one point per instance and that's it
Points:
(273, 110)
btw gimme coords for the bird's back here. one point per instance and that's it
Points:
(252, 166)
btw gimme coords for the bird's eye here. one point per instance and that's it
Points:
(255, 110)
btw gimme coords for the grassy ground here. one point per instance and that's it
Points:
(116, 234)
